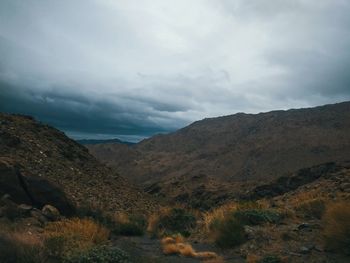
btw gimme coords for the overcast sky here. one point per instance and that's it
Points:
(133, 68)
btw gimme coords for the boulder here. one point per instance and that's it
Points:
(9, 208)
(37, 214)
(33, 190)
(51, 212)
(10, 184)
(24, 209)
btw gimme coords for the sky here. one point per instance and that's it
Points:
(133, 68)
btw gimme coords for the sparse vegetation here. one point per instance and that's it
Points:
(99, 254)
(172, 221)
(337, 227)
(228, 232)
(95, 212)
(313, 208)
(129, 225)
(18, 247)
(257, 216)
(226, 223)
(270, 259)
(119, 223)
(70, 236)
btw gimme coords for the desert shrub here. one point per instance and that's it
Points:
(217, 214)
(249, 205)
(70, 236)
(99, 254)
(336, 222)
(270, 259)
(313, 208)
(119, 223)
(129, 225)
(228, 232)
(172, 221)
(257, 216)
(96, 214)
(20, 248)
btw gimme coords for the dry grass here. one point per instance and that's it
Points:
(312, 208)
(121, 218)
(65, 237)
(86, 229)
(337, 227)
(305, 196)
(177, 245)
(218, 214)
(252, 258)
(154, 219)
(21, 247)
(172, 220)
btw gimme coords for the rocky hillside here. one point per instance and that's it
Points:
(35, 156)
(237, 148)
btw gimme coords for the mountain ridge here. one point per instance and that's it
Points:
(235, 149)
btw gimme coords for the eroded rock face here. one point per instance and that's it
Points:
(10, 184)
(32, 190)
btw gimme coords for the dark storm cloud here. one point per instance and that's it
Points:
(134, 68)
(74, 113)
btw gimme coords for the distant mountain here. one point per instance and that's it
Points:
(235, 149)
(40, 151)
(94, 141)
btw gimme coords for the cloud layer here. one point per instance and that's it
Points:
(104, 68)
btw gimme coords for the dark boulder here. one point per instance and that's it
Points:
(30, 189)
(10, 183)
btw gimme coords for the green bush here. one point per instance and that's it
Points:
(177, 221)
(257, 216)
(229, 232)
(270, 259)
(101, 254)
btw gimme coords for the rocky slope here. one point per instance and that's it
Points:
(42, 155)
(235, 149)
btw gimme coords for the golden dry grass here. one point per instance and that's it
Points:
(86, 229)
(121, 218)
(337, 227)
(305, 196)
(72, 235)
(252, 258)
(154, 218)
(218, 214)
(177, 245)
(21, 247)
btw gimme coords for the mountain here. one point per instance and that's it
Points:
(235, 150)
(44, 156)
(94, 141)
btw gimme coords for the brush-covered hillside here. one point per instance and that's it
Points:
(40, 154)
(249, 148)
